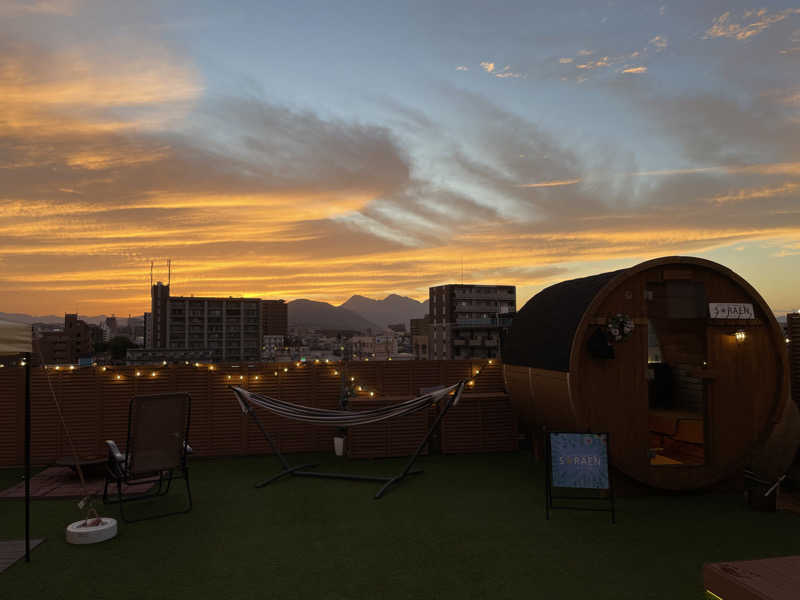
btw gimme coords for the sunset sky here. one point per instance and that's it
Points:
(317, 150)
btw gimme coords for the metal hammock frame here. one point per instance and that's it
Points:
(246, 399)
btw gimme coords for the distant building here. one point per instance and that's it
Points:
(208, 328)
(274, 317)
(397, 328)
(74, 342)
(272, 347)
(377, 347)
(468, 321)
(793, 338)
(230, 328)
(420, 338)
(159, 296)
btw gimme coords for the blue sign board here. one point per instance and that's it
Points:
(579, 460)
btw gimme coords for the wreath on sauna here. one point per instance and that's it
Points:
(619, 327)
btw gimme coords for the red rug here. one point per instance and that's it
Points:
(62, 482)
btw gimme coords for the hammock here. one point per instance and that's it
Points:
(339, 418)
(345, 418)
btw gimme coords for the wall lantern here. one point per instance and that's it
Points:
(740, 336)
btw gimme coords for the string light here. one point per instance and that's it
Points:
(242, 377)
(103, 369)
(229, 376)
(197, 364)
(256, 377)
(471, 383)
(336, 372)
(58, 368)
(372, 394)
(138, 373)
(276, 373)
(163, 362)
(285, 369)
(72, 367)
(119, 377)
(153, 374)
(491, 362)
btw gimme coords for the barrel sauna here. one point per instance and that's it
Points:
(694, 387)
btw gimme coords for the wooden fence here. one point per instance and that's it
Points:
(94, 402)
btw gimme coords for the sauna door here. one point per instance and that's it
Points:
(676, 364)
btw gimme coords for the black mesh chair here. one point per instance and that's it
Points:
(156, 451)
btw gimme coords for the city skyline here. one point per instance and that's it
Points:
(318, 151)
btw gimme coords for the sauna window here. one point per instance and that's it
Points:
(676, 355)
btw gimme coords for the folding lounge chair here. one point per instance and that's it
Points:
(156, 451)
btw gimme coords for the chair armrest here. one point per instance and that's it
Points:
(113, 451)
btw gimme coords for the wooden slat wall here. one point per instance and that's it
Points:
(95, 407)
(793, 326)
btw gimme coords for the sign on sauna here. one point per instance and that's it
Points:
(731, 310)
(579, 460)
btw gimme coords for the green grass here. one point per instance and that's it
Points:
(469, 527)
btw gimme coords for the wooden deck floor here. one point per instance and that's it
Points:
(13, 550)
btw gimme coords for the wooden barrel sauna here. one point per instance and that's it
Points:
(687, 394)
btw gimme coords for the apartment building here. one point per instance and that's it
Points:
(229, 328)
(468, 321)
(68, 346)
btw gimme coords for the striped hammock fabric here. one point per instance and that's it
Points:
(342, 418)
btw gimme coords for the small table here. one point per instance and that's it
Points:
(90, 465)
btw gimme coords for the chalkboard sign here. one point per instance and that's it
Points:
(579, 460)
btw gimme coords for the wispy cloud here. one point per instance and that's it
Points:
(659, 42)
(488, 66)
(751, 24)
(545, 184)
(634, 70)
(565, 61)
(462, 68)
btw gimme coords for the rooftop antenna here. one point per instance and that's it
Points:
(151, 273)
(462, 269)
(169, 270)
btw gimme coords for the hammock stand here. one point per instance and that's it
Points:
(321, 416)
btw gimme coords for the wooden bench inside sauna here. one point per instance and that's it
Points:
(678, 358)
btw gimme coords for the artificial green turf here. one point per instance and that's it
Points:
(469, 527)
